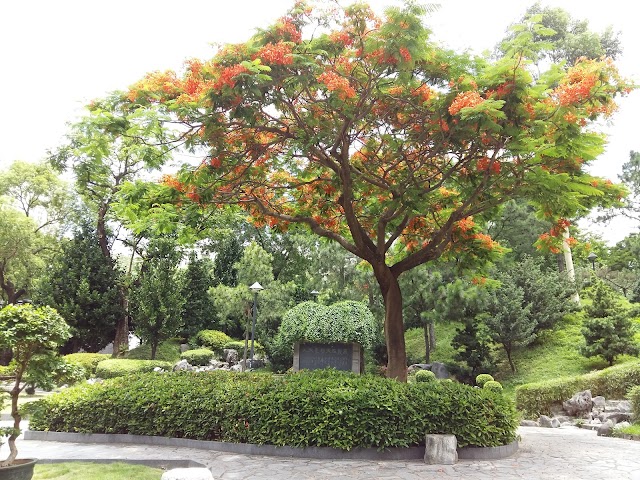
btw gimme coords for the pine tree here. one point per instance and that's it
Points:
(609, 337)
(198, 312)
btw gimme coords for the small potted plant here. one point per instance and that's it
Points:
(33, 334)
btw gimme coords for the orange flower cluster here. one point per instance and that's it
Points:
(172, 182)
(470, 98)
(465, 224)
(341, 37)
(228, 77)
(560, 226)
(485, 164)
(338, 84)
(276, 53)
(405, 54)
(577, 87)
(485, 240)
(288, 30)
(423, 92)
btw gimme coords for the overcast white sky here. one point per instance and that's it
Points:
(55, 56)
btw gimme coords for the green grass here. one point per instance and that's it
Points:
(94, 471)
(554, 354)
(630, 430)
(444, 352)
(22, 399)
(168, 351)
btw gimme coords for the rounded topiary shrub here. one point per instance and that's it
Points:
(199, 356)
(425, 376)
(492, 385)
(238, 345)
(322, 408)
(482, 379)
(213, 339)
(346, 321)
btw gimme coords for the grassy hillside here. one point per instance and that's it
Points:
(554, 354)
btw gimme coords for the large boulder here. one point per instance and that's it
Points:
(230, 356)
(182, 365)
(579, 405)
(606, 429)
(440, 370)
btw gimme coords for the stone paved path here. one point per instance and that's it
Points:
(566, 453)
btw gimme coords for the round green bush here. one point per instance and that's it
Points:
(482, 379)
(199, 356)
(492, 385)
(213, 340)
(317, 408)
(88, 361)
(425, 376)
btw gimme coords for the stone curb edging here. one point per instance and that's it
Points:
(321, 453)
(163, 464)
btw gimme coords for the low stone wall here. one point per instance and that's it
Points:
(322, 453)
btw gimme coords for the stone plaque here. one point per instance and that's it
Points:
(315, 356)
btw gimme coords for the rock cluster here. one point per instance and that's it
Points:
(595, 413)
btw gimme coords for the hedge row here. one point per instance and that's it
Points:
(535, 399)
(88, 361)
(320, 408)
(119, 367)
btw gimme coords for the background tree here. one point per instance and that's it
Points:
(111, 145)
(509, 318)
(473, 343)
(198, 312)
(157, 300)
(370, 135)
(83, 286)
(225, 270)
(609, 337)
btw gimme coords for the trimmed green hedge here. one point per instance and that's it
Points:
(238, 345)
(633, 395)
(119, 367)
(198, 356)
(535, 399)
(169, 351)
(213, 340)
(318, 408)
(88, 361)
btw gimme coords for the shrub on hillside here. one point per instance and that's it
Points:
(119, 367)
(319, 408)
(199, 356)
(88, 361)
(168, 351)
(238, 345)
(535, 399)
(213, 340)
(482, 379)
(634, 396)
(493, 385)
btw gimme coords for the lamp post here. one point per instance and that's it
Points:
(255, 288)
(592, 258)
(315, 294)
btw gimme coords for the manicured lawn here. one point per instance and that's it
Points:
(95, 471)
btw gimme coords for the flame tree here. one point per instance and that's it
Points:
(370, 135)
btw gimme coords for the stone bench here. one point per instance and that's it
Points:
(440, 449)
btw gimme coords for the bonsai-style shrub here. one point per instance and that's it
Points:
(482, 379)
(199, 356)
(425, 376)
(493, 386)
(33, 334)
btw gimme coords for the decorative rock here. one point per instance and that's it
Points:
(605, 429)
(184, 347)
(236, 368)
(440, 369)
(555, 423)
(440, 449)
(187, 474)
(418, 366)
(182, 365)
(528, 423)
(618, 405)
(230, 356)
(623, 425)
(544, 421)
(615, 417)
(580, 404)
(599, 403)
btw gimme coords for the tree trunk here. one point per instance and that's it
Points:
(393, 324)
(511, 364)
(427, 343)
(432, 336)
(568, 261)
(121, 340)
(154, 348)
